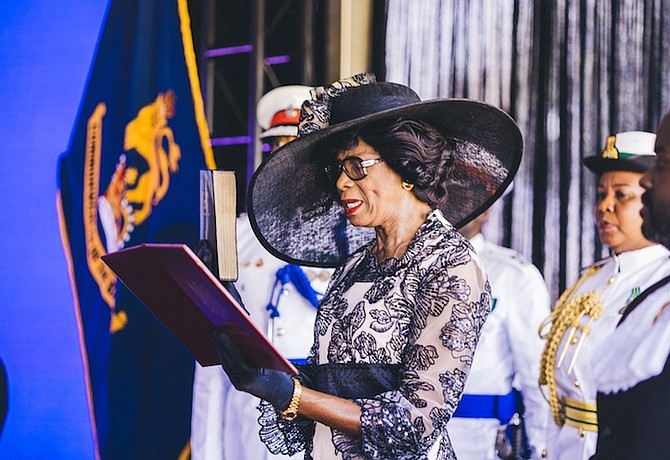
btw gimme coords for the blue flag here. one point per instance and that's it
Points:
(129, 176)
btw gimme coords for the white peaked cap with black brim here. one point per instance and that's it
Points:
(278, 111)
(627, 151)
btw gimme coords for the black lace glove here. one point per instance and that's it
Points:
(273, 386)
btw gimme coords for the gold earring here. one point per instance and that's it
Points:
(407, 186)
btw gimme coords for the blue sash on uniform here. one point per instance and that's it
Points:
(501, 407)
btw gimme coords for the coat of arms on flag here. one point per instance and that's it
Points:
(129, 176)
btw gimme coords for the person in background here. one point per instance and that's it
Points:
(368, 189)
(281, 299)
(632, 368)
(278, 114)
(507, 355)
(587, 313)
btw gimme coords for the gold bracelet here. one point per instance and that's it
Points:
(291, 412)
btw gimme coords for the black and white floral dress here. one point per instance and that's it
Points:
(422, 313)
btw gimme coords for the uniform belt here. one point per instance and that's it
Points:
(580, 414)
(501, 407)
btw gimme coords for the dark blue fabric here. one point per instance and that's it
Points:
(139, 376)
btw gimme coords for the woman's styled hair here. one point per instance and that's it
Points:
(416, 151)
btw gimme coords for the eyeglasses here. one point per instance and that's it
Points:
(354, 167)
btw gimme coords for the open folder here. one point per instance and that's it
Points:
(172, 282)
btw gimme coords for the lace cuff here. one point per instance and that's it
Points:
(283, 437)
(387, 431)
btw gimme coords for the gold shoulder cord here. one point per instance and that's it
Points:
(567, 313)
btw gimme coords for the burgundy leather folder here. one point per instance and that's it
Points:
(172, 282)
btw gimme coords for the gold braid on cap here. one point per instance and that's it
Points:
(566, 314)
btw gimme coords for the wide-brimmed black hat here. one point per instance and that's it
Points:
(627, 151)
(291, 207)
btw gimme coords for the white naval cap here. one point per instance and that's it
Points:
(635, 143)
(625, 151)
(278, 111)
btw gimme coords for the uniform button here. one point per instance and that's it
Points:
(544, 453)
(611, 280)
(577, 383)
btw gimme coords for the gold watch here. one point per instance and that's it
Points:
(291, 412)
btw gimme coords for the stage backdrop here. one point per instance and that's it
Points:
(570, 72)
(46, 51)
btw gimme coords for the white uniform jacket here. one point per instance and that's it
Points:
(617, 281)
(224, 424)
(508, 352)
(632, 372)
(639, 348)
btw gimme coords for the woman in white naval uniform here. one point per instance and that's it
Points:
(633, 369)
(587, 313)
(506, 356)
(224, 424)
(225, 421)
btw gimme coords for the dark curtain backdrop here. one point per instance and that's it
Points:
(570, 73)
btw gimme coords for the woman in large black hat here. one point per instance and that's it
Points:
(376, 184)
(587, 313)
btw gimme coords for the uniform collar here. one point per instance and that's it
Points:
(632, 260)
(478, 242)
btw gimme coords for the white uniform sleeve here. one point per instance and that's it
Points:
(209, 392)
(532, 307)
